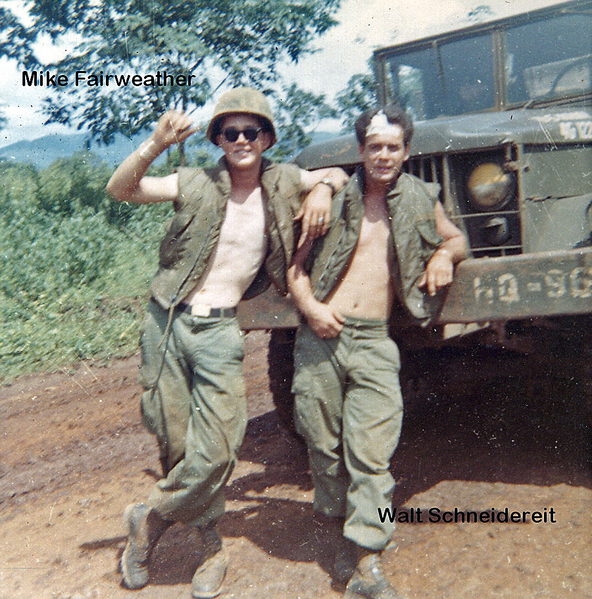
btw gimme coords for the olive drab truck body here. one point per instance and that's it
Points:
(503, 122)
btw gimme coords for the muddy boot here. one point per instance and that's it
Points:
(369, 580)
(209, 576)
(345, 560)
(145, 527)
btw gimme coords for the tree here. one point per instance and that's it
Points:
(479, 13)
(359, 95)
(15, 43)
(16, 39)
(215, 43)
(70, 185)
(297, 112)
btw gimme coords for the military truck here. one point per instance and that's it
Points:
(503, 122)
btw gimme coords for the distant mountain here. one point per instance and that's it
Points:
(42, 151)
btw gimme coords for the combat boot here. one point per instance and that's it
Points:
(368, 580)
(145, 527)
(209, 576)
(345, 560)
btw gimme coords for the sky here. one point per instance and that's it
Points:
(342, 52)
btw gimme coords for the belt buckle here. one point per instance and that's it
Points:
(200, 310)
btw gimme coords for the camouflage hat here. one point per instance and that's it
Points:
(241, 100)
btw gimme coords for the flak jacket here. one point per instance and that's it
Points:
(410, 205)
(194, 230)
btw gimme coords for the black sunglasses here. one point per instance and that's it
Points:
(251, 133)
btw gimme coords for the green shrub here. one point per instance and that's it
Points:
(73, 279)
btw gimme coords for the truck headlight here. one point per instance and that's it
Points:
(490, 187)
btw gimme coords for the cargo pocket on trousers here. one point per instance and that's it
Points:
(307, 411)
(151, 412)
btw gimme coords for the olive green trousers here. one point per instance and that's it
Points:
(195, 404)
(349, 409)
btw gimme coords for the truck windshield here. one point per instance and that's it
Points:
(549, 59)
(542, 60)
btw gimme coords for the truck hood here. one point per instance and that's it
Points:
(551, 126)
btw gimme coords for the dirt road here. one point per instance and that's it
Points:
(74, 454)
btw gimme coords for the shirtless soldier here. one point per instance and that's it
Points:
(389, 237)
(232, 231)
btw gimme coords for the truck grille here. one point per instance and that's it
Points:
(490, 233)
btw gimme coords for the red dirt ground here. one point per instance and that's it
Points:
(74, 454)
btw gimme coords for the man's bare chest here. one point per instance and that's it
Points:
(375, 236)
(243, 227)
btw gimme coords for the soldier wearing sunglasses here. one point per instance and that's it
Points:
(231, 235)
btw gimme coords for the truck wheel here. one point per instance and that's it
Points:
(280, 368)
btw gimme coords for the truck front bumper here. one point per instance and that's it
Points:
(521, 286)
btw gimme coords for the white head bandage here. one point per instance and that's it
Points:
(379, 125)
